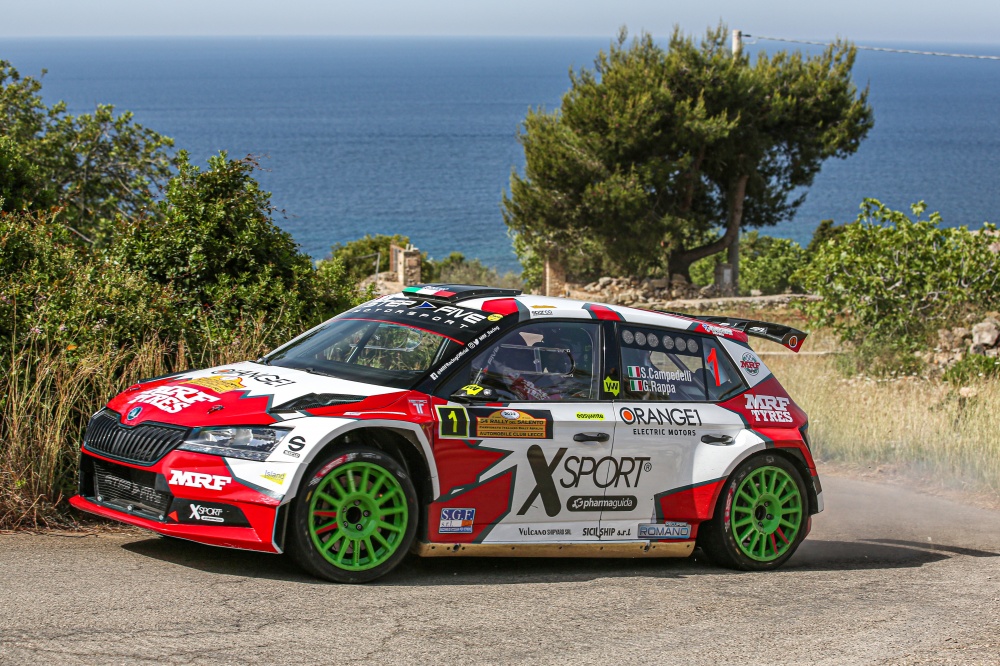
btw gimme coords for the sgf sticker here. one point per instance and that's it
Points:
(457, 521)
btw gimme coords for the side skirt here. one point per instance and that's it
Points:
(598, 549)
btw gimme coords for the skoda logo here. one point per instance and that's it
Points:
(132, 413)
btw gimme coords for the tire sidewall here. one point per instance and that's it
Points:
(300, 541)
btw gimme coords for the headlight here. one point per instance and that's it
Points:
(249, 442)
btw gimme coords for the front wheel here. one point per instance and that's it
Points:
(760, 518)
(355, 516)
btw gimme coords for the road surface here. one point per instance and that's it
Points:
(887, 576)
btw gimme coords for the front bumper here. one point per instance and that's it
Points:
(234, 516)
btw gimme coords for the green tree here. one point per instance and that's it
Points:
(657, 146)
(97, 166)
(214, 243)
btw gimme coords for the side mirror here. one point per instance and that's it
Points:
(473, 393)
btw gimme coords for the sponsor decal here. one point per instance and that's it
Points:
(624, 471)
(543, 307)
(602, 503)
(472, 389)
(274, 477)
(295, 444)
(793, 341)
(599, 532)
(217, 384)
(665, 531)
(758, 329)
(445, 315)
(589, 416)
(717, 330)
(491, 423)
(750, 364)
(611, 386)
(547, 531)
(541, 313)
(268, 378)
(456, 521)
(132, 413)
(666, 416)
(512, 424)
(768, 408)
(418, 406)
(209, 514)
(172, 399)
(195, 513)
(198, 480)
(494, 317)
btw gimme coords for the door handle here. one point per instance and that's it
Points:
(724, 440)
(591, 437)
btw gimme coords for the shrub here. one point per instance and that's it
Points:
(892, 279)
(456, 269)
(971, 368)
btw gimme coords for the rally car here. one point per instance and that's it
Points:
(458, 420)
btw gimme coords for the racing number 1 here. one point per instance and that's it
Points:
(713, 361)
(454, 422)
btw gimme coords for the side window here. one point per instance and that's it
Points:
(537, 362)
(724, 380)
(662, 364)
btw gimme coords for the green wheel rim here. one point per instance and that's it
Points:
(358, 516)
(766, 514)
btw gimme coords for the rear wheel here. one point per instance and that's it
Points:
(357, 517)
(761, 516)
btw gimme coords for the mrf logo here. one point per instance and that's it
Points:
(618, 472)
(198, 480)
(768, 408)
(750, 364)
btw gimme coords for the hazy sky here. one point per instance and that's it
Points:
(975, 21)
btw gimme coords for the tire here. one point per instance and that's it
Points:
(355, 516)
(745, 532)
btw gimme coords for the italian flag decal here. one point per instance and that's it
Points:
(428, 291)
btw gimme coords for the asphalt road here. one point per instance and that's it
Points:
(887, 576)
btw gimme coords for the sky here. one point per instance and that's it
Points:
(904, 21)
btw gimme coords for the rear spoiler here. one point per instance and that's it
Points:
(789, 337)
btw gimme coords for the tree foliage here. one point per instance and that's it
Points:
(892, 279)
(657, 146)
(97, 166)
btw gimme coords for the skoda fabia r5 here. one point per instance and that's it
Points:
(457, 420)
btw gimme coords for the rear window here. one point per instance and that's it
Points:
(665, 365)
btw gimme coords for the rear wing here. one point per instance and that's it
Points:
(786, 336)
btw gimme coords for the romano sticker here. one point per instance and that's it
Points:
(664, 531)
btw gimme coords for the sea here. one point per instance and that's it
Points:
(419, 136)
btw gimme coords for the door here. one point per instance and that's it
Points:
(667, 422)
(545, 416)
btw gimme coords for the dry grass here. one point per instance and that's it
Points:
(923, 426)
(46, 398)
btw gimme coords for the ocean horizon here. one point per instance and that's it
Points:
(418, 135)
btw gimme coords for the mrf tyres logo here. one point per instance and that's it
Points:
(768, 408)
(605, 472)
(198, 480)
(750, 364)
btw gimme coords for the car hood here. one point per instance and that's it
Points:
(243, 394)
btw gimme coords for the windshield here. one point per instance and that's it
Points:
(363, 350)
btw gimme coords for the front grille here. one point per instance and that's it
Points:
(143, 444)
(133, 490)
